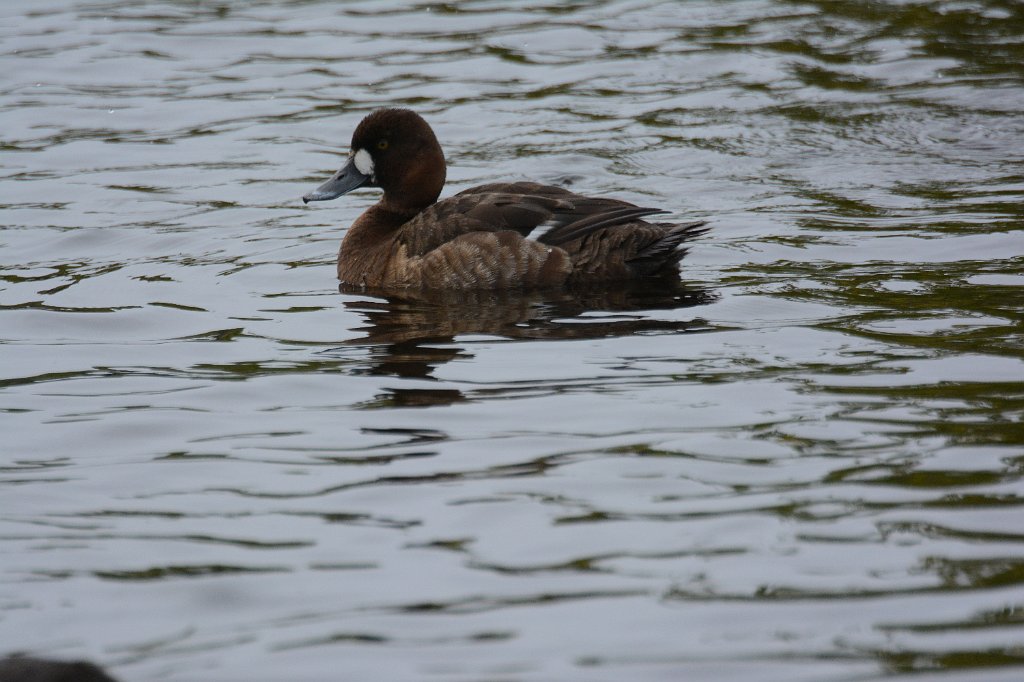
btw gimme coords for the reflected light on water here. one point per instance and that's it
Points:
(801, 463)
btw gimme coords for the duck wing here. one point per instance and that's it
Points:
(480, 209)
(573, 216)
(551, 215)
(606, 239)
(603, 239)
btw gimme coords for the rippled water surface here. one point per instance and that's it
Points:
(806, 463)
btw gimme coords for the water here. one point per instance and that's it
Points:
(804, 464)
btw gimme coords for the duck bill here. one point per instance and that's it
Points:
(342, 182)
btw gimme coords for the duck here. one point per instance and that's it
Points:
(505, 235)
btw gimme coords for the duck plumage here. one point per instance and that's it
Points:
(523, 235)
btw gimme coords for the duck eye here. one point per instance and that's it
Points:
(382, 144)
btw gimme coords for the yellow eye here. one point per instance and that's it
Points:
(382, 145)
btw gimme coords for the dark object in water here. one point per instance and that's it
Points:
(498, 236)
(25, 669)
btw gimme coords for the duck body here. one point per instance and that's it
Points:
(520, 235)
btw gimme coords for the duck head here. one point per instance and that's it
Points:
(396, 150)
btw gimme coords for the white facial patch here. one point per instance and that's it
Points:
(364, 162)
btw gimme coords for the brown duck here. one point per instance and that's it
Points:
(521, 235)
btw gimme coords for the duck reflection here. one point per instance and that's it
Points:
(409, 335)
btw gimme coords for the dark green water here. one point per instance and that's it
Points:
(806, 463)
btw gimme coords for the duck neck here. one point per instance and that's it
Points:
(418, 185)
(376, 224)
(363, 258)
(389, 211)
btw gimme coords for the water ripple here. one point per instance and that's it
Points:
(805, 462)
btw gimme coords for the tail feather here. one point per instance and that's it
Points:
(664, 254)
(566, 233)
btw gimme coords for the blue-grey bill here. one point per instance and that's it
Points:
(342, 182)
